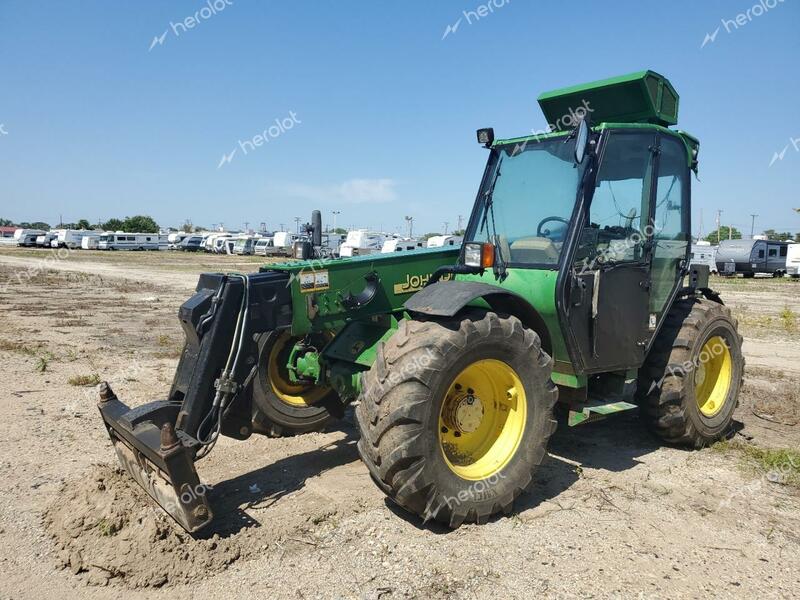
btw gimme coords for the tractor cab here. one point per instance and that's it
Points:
(595, 217)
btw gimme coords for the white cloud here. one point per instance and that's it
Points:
(352, 191)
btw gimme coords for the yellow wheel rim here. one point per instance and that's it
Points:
(293, 394)
(713, 376)
(482, 419)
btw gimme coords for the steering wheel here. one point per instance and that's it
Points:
(540, 233)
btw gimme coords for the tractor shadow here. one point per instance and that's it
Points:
(615, 444)
(265, 486)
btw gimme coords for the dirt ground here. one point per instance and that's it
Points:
(613, 513)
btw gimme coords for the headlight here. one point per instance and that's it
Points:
(478, 255)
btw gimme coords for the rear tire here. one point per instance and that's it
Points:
(477, 467)
(282, 408)
(689, 385)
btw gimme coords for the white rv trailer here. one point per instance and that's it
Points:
(128, 241)
(244, 245)
(71, 238)
(793, 260)
(703, 253)
(27, 237)
(360, 242)
(90, 242)
(261, 246)
(282, 242)
(440, 241)
(216, 242)
(400, 245)
(45, 239)
(175, 238)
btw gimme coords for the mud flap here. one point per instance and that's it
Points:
(157, 457)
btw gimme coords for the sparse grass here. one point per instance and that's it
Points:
(107, 528)
(84, 380)
(164, 340)
(43, 361)
(18, 347)
(789, 319)
(780, 465)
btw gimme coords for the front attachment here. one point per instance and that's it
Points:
(160, 459)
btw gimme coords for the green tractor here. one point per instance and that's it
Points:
(573, 285)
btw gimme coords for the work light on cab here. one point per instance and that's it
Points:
(479, 255)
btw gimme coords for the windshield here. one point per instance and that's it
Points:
(535, 185)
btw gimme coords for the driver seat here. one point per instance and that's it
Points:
(534, 250)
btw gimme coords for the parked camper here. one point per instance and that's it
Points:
(175, 238)
(793, 260)
(244, 245)
(749, 257)
(44, 240)
(703, 253)
(27, 237)
(71, 238)
(260, 249)
(439, 241)
(360, 242)
(90, 242)
(191, 243)
(400, 245)
(128, 241)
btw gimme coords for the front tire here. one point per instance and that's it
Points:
(455, 416)
(689, 385)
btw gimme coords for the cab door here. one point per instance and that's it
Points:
(671, 240)
(608, 296)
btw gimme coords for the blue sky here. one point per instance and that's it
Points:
(383, 110)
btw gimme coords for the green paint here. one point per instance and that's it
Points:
(538, 287)
(323, 309)
(641, 97)
(306, 366)
(596, 410)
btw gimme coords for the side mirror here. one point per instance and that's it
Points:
(581, 141)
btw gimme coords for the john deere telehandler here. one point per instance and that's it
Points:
(572, 285)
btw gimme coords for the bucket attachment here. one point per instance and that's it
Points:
(160, 459)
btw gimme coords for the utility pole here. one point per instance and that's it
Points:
(410, 221)
(297, 224)
(335, 213)
(445, 227)
(752, 226)
(460, 218)
(700, 232)
(719, 215)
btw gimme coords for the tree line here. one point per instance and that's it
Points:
(135, 224)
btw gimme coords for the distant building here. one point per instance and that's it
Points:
(7, 232)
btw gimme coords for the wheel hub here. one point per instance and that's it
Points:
(463, 413)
